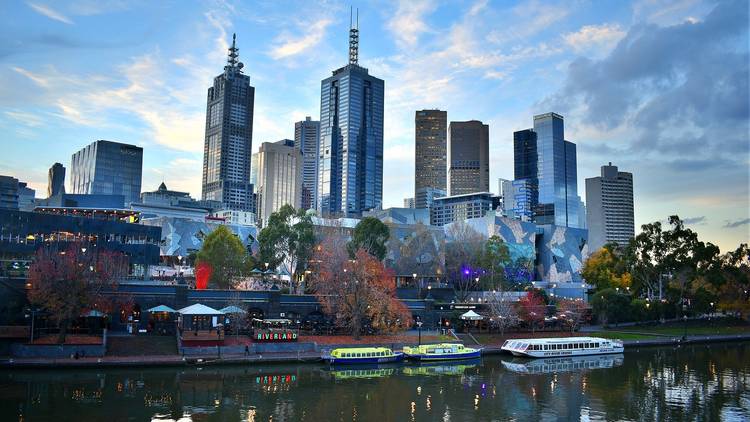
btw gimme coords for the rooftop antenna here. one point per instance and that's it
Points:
(232, 62)
(353, 39)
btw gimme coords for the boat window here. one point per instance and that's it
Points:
(545, 347)
(596, 344)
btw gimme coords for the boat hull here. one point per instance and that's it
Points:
(421, 357)
(397, 357)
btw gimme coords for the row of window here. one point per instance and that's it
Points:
(364, 355)
(568, 346)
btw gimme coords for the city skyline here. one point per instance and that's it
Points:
(688, 156)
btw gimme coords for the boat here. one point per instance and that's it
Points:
(362, 355)
(562, 364)
(561, 346)
(442, 351)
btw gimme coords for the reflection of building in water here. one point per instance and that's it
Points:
(563, 364)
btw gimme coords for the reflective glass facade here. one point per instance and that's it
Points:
(430, 140)
(107, 168)
(350, 157)
(307, 139)
(468, 157)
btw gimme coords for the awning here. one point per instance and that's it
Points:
(472, 316)
(232, 310)
(94, 313)
(161, 308)
(199, 309)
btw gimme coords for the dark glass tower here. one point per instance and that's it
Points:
(430, 165)
(56, 180)
(229, 137)
(107, 168)
(350, 158)
(307, 139)
(468, 157)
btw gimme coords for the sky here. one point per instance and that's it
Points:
(659, 88)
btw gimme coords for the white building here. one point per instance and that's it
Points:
(609, 207)
(279, 177)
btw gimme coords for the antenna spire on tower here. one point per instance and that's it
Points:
(232, 59)
(353, 39)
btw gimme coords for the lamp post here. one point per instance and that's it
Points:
(31, 312)
(419, 328)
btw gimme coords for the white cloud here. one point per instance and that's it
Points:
(408, 22)
(28, 119)
(291, 46)
(37, 79)
(48, 12)
(595, 37)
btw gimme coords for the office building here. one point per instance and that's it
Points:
(524, 199)
(547, 164)
(107, 168)
(279, 177)
(229, 137)
(453, 208)
(350, 158)
(409, 203)
(430, 155)
(505, 192)
(426, 196)
(56, 180)
(26, 197)
(8, 193)
(468, 158)
(609, 207)
(307, 140)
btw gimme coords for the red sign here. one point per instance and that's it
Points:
(202, 275)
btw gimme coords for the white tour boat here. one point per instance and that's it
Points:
(561, 346)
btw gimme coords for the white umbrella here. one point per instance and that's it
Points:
(199, 309)
(161, 308)
(472, 316)
(232, 310)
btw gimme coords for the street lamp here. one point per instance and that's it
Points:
(419, 327)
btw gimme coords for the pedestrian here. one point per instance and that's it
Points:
(247, 350)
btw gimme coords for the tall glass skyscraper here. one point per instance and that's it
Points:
(307, 139)
(350, 158)
(430, 155)
(547, 164)
(229, 137)
(468, 157)
(107, 168)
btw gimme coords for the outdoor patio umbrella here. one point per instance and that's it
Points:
(199, 309)
(472, 316)
(232, 310)
(161, 308)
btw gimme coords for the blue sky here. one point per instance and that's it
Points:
(659, 88)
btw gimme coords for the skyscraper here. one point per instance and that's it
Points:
(229, 137)
(468, 158)
(307, 139)
(279, 177)
(430, 139)
(350, 158)
(107, 168)
(546, 163)
(609, 206)
(56, 180)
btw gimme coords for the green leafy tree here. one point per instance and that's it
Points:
(287, 240)
(605, 270)
(371, 235)
(225, 254)
(493, 259)
(611, 306)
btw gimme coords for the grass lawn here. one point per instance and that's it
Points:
(694, 330)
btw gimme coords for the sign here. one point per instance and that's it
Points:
(275, 336)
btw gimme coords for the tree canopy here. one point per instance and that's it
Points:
(287, 240)
(225, 255)
(371, 235)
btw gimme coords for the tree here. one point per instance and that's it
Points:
(371, 235)
(287, 239)
(501, 311)
(601, 270)
(462, 254)
(574, 313)
(67, 283)
(225, 255)
(356, 291)
(611, 306)
(531, 309)
(493, 259)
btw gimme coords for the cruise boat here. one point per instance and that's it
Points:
(561, 346)
(562, 364)
(442, 351)
(362, 355)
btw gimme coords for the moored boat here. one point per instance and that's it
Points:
(442, 351)
(362, 355)
(561, 346)
(562, 363)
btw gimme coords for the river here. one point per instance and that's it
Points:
(700, 382)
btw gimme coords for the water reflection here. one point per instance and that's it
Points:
(707, 382)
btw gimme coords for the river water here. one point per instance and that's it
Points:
(701, 382)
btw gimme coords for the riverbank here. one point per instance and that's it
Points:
(290, 357)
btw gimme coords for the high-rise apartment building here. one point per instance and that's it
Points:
(430, 155)
(546, 162)
(409, 203)
(350, 158)
(107, 168)
(229, 137)
(468, 158)
(56, 180)
(307, 140)
(609, 207)
(279, 177)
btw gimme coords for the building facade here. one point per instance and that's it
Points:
(454, 208)
(307, 140)
(107, 168)
(426, 196)
(350, 158)
(409, 203)
(430, 154)
(468, 158)
(8, 193)
(229, 137)
(609, 207)
(279, 177)
(56, 180)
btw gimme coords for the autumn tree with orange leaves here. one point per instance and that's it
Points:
(67, 283)
(356, 291)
